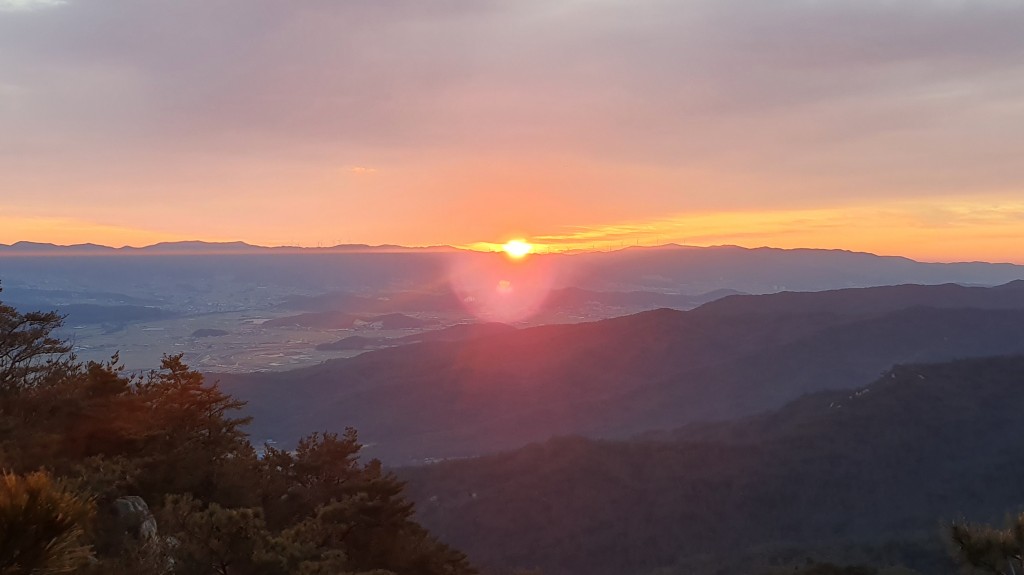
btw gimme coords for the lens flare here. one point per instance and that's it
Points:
(497, 287)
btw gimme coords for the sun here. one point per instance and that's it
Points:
(517, 249)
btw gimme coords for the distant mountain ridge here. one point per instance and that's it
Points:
(850, 301)
(647, 252)
(196, 247)
(769, 270)
(371, 270)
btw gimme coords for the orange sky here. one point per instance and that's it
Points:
(864, 125)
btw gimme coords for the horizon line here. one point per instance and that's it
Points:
(240, 247)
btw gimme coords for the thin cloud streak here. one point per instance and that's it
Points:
(362, 170)
(29, 5)
(961, 229)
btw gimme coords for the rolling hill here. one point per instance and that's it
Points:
(864, 476)
(623, 376)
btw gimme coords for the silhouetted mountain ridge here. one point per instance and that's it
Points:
(859, 301)
(768, 270)
(196, 247)
(617, 377)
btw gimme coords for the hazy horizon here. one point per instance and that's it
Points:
(481, 247)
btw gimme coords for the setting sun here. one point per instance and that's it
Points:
(517, 248)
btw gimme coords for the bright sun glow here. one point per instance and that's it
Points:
(517, 248)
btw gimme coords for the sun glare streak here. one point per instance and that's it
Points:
(517, 249)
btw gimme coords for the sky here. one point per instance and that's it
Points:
(891, 126)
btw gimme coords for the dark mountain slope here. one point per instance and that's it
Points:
(609, 379)
(826, 473)
(847, 354)
(877, 300)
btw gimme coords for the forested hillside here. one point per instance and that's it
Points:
(866, 476)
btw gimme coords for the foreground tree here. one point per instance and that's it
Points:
(172, 447)
(334, 511)
(29, 352)
(42, 526)
(986, 549)
(219, 540)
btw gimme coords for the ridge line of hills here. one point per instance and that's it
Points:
(195, 247)
(230, 271)
(615, 378)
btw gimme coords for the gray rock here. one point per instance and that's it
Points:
(135, 517)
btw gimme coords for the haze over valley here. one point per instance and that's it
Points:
(178, 292)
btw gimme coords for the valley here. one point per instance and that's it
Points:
(602, 432)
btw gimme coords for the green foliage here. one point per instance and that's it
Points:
(42, 526)
(217, 539)
(177, 442)
(29, 352)
(331, 509)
